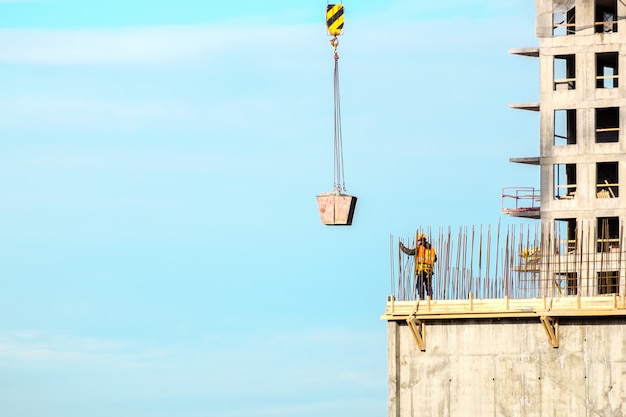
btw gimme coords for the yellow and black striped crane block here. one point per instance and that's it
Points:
(334, 19)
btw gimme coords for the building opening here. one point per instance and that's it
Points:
(564, 22)
(606, 16)
(565, 127)
(564, 181)
(608, 282)
(607, 180)
(565, 72)
(607, 70)
(607, 125)
(607, 234)
(566, 283)
(565, 235)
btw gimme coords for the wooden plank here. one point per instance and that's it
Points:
(508, 308)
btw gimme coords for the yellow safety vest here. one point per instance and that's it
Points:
(424, 259)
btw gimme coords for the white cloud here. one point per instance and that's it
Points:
(46, 347)
(38, 346)
(343, 337)
(103, 47)
(127, 160)
(136, 46)
(77, 112)
(176, 45)
(262, 61)
(335, 373)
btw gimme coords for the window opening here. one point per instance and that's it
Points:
(564, 22)
(565, 234)
(606, 70)
(606, 16)
(564, 72)
(565, 127)
(607, 180)
(607, 235)
(564, 181)
(569, 279)
(608, 282)
(607, 125)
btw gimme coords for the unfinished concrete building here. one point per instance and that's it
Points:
(531, 320)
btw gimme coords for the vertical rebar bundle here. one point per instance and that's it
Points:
(517, 261)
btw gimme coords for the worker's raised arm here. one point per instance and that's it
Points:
(407, 250)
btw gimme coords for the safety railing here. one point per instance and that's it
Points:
(520, 200)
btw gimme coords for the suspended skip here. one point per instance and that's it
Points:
(336, 208)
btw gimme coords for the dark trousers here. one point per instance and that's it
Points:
(424, 280)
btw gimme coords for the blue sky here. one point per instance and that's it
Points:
(161, 252)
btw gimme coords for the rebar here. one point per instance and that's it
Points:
(527, 262)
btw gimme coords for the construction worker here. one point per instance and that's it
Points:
(425, 257)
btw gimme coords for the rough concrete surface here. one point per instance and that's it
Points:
(508, 368)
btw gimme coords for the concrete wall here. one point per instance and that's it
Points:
(585, 98)
(508, 368)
